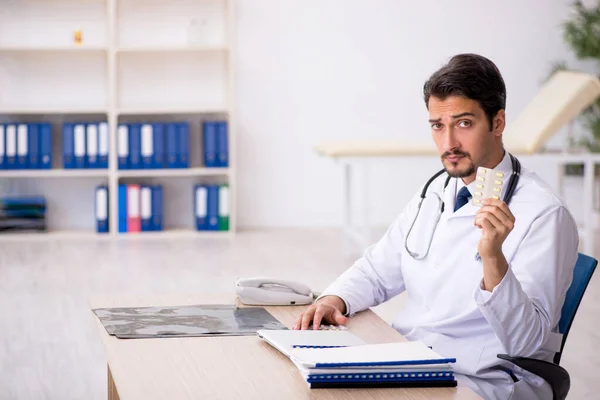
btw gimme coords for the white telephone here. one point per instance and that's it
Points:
(272, 292)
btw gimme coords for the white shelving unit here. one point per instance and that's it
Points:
(138, 61)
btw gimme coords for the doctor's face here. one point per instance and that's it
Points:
(462, 134)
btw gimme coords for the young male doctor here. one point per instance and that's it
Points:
(481, 280)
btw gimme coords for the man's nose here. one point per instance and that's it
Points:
(450, 140)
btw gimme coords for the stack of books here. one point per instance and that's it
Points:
(22, 214)
(328, 359)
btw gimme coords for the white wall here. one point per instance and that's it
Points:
(314, 70)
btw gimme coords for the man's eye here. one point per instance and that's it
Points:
(435, 126)
(464, 124)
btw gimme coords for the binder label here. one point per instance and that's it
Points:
(103, 139)
(92, 141)
(79, 141)
(201, 202)
(22, 140)
(101, 204)
(1, 141)
(146, 203)
(147, 140)
(123, 141)
(224, 201)
(133, 201)
(11, 141)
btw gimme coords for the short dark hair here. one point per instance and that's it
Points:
(472, 76)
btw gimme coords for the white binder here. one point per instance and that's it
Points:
(92, 145)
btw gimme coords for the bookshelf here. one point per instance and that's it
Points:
(138, 61)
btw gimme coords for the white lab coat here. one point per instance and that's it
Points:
(448, 309)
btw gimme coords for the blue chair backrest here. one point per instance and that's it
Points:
(584, 269)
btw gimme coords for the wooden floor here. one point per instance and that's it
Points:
(49, 347)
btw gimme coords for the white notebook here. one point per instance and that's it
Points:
(408, 354)
(287, 340)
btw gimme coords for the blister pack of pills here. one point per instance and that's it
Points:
(488, 185)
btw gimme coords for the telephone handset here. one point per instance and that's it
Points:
(273, 292)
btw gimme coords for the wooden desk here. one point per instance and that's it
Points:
(232, 367)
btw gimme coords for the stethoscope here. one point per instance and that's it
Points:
(510, 189)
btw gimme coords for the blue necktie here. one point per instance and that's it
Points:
(462, 198)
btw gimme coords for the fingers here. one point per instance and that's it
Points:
(501, 206)
(307, 317)
(338, 318)
(491, 218)
(317, 318)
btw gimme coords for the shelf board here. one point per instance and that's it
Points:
(53, 49)
(54, 173)
(54, 111)
(171, 110)
(150, 173)
(176, 234)
(172, 49)
(54, 235)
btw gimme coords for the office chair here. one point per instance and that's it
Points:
(556, 376)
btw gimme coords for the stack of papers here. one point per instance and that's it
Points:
(328, 359)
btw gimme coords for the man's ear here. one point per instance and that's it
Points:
(499, 123)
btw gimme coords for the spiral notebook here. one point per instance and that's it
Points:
(287, 340)
(405, 364)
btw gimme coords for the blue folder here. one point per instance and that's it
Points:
(135, 146)
(146, 218)
(34, 146)
(209, 130)
(22, 143)
(79, 143)
(222, 144)
(101, 205)
(122, 208)
(212, 207)
(157, 208)
(183, 145)
(103, 144)
(68, 146)
(2, 146)
(123, 146)
(45, 153)
(201, 207)
(172, 146)
(159, 145)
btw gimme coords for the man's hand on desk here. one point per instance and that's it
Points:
(329, 309)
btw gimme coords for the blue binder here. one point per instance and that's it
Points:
(159, 145)
(45, 153)
(101, 206)
(79, 144)
(68, 146)
(222, 144)
(212, 207)
(183, 142)
(122, 208)
(201, 207)
(172, 146)
(34, 146)
(92, 140)
(147, 145)
(103, 144)
(123, 146)
(135, 146)
(2, 146)
(146, 207)
(157, 208)
(22, 146)
(209, 130)
(11, 146)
